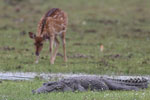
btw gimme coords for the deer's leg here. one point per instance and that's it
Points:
(37, 59)
(38, 50)
(51, 49)
(64, 46)
(56, 49)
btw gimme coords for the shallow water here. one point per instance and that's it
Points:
(53, 76)
(17, 76)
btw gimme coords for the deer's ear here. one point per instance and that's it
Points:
(32, 35)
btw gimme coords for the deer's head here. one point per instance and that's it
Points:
(38, 42)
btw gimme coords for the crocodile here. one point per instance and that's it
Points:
(92, 83)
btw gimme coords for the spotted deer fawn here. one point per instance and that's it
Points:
(52, 24)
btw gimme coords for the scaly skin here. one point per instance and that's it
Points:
(93, 83)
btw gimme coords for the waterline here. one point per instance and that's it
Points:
(54, 76)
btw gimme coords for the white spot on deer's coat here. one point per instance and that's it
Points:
(60, 32)
(55, 16)
(61, 18)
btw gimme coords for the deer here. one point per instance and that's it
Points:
(51, 25)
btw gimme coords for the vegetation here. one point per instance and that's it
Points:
(121, 26)
(22, 91)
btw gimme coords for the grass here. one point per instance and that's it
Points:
(21, 90)
(121, 26)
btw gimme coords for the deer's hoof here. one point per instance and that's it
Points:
(52, 62)
(36, 62)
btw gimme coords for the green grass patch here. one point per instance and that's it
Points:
(21, 90)
(121, 26)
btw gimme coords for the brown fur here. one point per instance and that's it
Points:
(52, 24)
(48, 14)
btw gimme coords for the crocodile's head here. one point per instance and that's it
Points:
(49, 87)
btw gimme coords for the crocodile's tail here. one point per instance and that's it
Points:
(127, 84)
(138, 82)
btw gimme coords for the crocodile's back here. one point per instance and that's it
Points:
(103, 83)
(88, 83)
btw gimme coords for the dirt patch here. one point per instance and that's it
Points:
(124, 36)
(5, 15)
(59, 54)
(23, 32)
(76, 56)
(139, 33)
(75, 28)
(108, 21)
(26, 49)
(90, 31)
(136, 30)
(6, 27)
(142, 20)
(103, 21)
(19, 67)
(118, 56)
(7, 48)
(44, 57)
(85, 44)
(81, 56)
(145, 61)
(14, 2)
(78, 44)
(113, 56)
(139, 30)
(103, 62)
(130, 55)
(17, 9)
